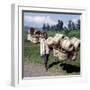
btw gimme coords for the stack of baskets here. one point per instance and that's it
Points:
(63, 47)
(33, 35)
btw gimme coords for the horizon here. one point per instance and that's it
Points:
(37, 19)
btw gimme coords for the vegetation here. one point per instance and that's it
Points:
(60, 26)
(32, 51)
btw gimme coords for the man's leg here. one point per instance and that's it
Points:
(46, 61)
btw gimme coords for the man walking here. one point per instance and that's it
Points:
(44, 49)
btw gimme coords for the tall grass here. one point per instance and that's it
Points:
(32, 51)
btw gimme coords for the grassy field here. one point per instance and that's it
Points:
(32, 51)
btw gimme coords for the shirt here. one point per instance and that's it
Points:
(44, 49)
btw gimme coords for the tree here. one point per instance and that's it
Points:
(59, 25)
(65, 28)
(78, 24)
(44, 27)
(48, 27)
(73, 26)
(70, 25)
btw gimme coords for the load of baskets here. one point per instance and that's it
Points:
(63, 47)
(33, 35)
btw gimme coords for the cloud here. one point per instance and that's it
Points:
(74, 20)
(65, 24)
(40, 20)
(50, 21)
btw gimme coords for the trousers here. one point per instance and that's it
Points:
(45, 57)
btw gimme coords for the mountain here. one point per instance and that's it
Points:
(26, 28)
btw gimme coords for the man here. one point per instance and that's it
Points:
(44, 49)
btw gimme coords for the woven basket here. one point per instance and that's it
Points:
(50, 41)
(29, 37)
(35, 40)
(55, 52)
(66, 45)
(57, 38)
(72, 55)
(62, 56)
(75, 42)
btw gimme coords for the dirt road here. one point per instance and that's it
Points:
(34, 70)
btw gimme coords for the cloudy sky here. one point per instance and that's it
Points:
(34, 19)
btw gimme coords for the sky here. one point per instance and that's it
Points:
(36, 19)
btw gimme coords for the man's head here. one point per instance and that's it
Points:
(44, 35)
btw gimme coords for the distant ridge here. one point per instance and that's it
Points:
(26, 28)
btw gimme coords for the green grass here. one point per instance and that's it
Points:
(69, 33)
(32, 51)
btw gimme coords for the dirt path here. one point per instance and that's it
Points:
(34, 70)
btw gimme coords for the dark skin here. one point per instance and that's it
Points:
(46, 56)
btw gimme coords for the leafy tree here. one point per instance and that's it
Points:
(70, 25)
(48, 27)
(78, 24)
(44, 27)
(73, 26)
(59, 25)
(65, 28)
